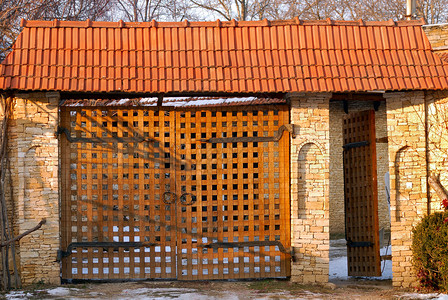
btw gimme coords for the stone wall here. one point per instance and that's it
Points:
(314, 175)
(309, 187)
(407, 167)
(34, 174)
(438, 36)
(337, 114)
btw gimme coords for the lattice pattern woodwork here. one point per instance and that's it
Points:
(361, 196)
(146, 175)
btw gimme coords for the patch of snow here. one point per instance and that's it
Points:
(175, 103)
(96, 294)
(148, 101)
(242, 99)
(18, 295)
(169, 293)
(421, 296)
(205, 297)
(136, 291)
(156, 290)
(198, 101)
(340, 241)
(338, 267)
(442, 297)
(59, 291)
(203, 102)
(271, 296)
(121, 102)
(176, 98)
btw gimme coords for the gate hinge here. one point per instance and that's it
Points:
(254, 139)
(280, 246)
(355, 145)
(382, 140)
(134, 139)
(359, 244)
(62, 130)
(61, 253)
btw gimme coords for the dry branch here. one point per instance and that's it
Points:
(438, 188)
(6, 243)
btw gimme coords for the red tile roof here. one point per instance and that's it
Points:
(443, 56)
(222, 57)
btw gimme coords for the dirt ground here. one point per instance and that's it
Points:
(201, 290)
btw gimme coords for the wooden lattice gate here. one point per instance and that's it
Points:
(175, 194)
(361, 195)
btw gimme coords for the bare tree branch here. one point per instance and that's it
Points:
(8, 242)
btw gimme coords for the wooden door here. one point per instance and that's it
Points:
(361, 196)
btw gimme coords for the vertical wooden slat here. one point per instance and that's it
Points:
(65, 204)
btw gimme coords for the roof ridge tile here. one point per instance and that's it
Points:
(217, 23)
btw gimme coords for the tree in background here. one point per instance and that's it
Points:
(147, 10)
(72, 9)
(235, 9)
(12, 11)
(140, 11)
(434, 11)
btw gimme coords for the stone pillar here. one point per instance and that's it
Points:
(407, 168)
(309, 187)
(34, 174)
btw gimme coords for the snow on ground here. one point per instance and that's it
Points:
(60, 291)
(160, 293)
(196, 296)
(433, 296)
(17, 295)
(187, 294)
(338, 266)
(338, 271)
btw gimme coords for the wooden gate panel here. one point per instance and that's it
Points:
(242, 198)
(361, 196)
(148, 193)
(120, 163)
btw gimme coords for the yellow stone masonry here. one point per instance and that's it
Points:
(310, 237)
(437, 36)
(34, 167)
(407, 167)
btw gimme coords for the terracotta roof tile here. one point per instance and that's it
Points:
(234, 57)
(442, 55)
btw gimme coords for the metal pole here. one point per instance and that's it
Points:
(410, 9)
